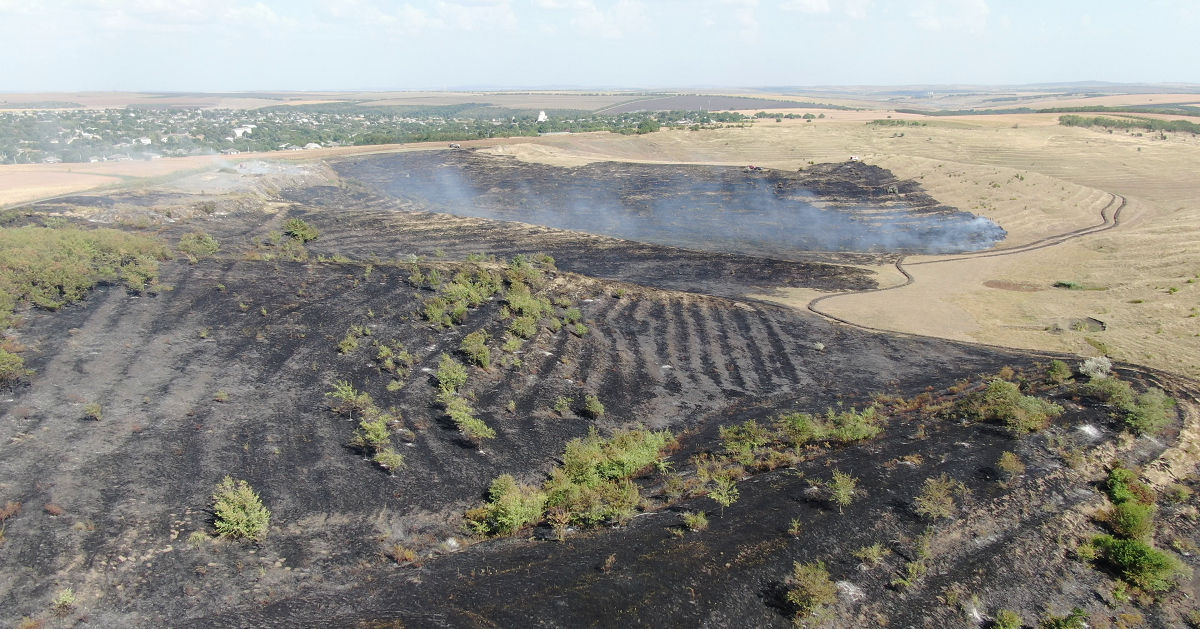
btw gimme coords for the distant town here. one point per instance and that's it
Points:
(133, 133)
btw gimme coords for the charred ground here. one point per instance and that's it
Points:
(224, 370)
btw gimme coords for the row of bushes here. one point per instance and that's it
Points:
(591, 486)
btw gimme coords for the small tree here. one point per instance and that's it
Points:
(842, 489)
(239, 511)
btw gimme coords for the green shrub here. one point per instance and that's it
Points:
(695, 520)
(592, 481)
(451, 374)
(389, 459)
(1132, 519)
(579, 329)
(842, 488)
(300, 230)
(562, 405)
(511, 506)
(1058, 372)
(845, 426)
(1010, 464)
(198, 245)
(1003, 403)
(51, 268)
(1077, 619)
(474, 345)
(468, 424)
(239, 511)
(347, 399)
(524, 326)
(348, 344)
(936, 499)
(1150, 413)
(64, 602)
(373, 433)
(592, 407)
(1109, 390)
(872, 554)
(12, 367)
(743, 441)
(811, 590)
(1140, 564)
(93, 411)
(1007, 619)
(572, 316)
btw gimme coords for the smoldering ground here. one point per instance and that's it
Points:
(851, 207)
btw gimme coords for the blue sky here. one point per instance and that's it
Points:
(228, 45)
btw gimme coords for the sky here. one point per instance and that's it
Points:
(242, 45)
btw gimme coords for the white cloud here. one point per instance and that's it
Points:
(456, 16)
(854, 9)
(807, 6)
(951, 15)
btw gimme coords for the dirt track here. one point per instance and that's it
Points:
(1108, 221)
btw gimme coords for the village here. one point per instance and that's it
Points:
(138, 133)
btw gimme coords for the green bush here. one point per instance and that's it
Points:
(1077, 619)
(239, 511)
(511, 506)
(474, 345)
(695, 520)
(1003, 403)
(347, 399)
(12, 367)
(451, 374)
(592, 407)
(1007, 619)
(300, 230)
(51, 268)
(1151, 413)
(844, 426)
(468, 424)
(1058, 372)
(1109, 390)
(936, 499)
(389, 459)
(524, 326)
(1140, 564)
(592, 481)
(198, 245)
(842, 488)
(811, 590)
(1132, 519)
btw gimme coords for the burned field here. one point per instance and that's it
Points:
(849, 207)
(475, 349)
